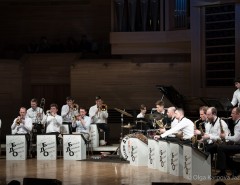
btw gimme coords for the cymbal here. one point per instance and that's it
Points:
(152, 116)
(141, 121)
(123, 112)
(127, 126)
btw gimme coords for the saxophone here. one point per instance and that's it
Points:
(194, 138)
(221, 141)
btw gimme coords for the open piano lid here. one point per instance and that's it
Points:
(191, 104)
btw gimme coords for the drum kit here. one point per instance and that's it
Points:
(133, 133)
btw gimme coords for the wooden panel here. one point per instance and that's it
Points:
(125, 84)
(150, 42)
(22, 23)
(10, 92)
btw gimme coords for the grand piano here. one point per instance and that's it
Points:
(191, 105)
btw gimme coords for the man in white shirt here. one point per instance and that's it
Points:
(217, 127)
(36, 114)
(184, 124)
(236, 95)
(224, 152)
(23, 125)
(69, 112)
(82, 123)
(174, 121)
(53, 121)
(99, 117)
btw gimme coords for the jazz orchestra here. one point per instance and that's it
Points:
(209, 134)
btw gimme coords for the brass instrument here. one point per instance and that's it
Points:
(160, 123)
(200, 144)
(48, 113)
(220, 141)
(75, 107)
(18, 121)
(195, 139)
(103, 107)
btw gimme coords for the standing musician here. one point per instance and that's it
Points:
(236, 95)
(161, 113)
(36, 114)
(82, 123)
(23, 125)
(217, 127)
(184, 124)
(225, 151)
(53, 121)
(69, 111)
(99, 114)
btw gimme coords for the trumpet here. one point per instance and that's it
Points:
(103, 107)
(18, 121)
(48, 113)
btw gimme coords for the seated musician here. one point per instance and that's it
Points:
(53, 121)
(201, 126)
(82, 124)
(23, 125)
(212, 138)
(142, 123)
(225, 151)
(174, 121)
(184, 124)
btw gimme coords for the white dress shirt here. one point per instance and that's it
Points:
(98, 117)
(32, 113)
(140, 115)
(236, 137)
(185, 125)
(174, 122)
(82, 127)
(215, 130)
(53, 123)
(236, 98)
(207, 126)
(24, 128)
(67, 115)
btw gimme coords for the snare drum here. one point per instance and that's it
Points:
(151, 133)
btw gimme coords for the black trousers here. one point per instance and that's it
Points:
(71, 129)
(224, 153)
(177, 140)
(212, 149)
(106, 129)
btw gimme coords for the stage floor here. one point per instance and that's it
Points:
(88, 172)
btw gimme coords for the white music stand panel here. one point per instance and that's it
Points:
(153, 154)
(196, 166)
(138, 152)
(176, 162)
(94, 135)
(164, 156)
(16, 147)
(74, 147)
(46, 147)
